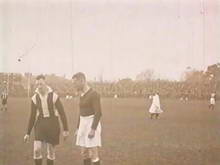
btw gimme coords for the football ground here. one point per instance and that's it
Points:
(186, 134)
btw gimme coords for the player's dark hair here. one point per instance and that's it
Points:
(79, 76)
(40, 77)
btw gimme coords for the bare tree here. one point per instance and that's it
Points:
(145, 75)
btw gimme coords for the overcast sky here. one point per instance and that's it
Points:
(113, 38)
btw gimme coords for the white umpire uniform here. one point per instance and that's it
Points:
(155, 106)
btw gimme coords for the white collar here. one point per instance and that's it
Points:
(49, 90)
(83, 93)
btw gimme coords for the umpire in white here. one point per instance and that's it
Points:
(46, 107)
(88, 133)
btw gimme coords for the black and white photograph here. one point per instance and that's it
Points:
(109, 82)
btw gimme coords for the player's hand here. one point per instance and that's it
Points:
(65, 134)
(91, 134)
(26, 138)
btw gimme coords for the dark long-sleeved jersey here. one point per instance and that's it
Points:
(90, 105)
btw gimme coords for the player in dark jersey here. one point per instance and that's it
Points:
(88, 128)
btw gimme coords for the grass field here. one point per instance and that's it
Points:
(186, 134)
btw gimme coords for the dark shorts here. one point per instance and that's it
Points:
(48, 130)
(4, 101)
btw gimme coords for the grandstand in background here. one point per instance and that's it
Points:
(197, 85)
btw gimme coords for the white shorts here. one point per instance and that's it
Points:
(83, 132)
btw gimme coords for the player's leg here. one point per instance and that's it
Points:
(38, 146)
(50, 154)
(210, 106)
(2, 107)
(85, 156)
(5, 107)
(4, 104)
(94, 155)
(156, 115)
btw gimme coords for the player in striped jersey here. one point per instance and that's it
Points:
(4, 97)
(46, 108)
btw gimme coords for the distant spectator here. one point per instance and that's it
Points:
(155, 108)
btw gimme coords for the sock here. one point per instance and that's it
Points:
(49, 162)
(96, 163)
(38, 161)
(87, 161)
